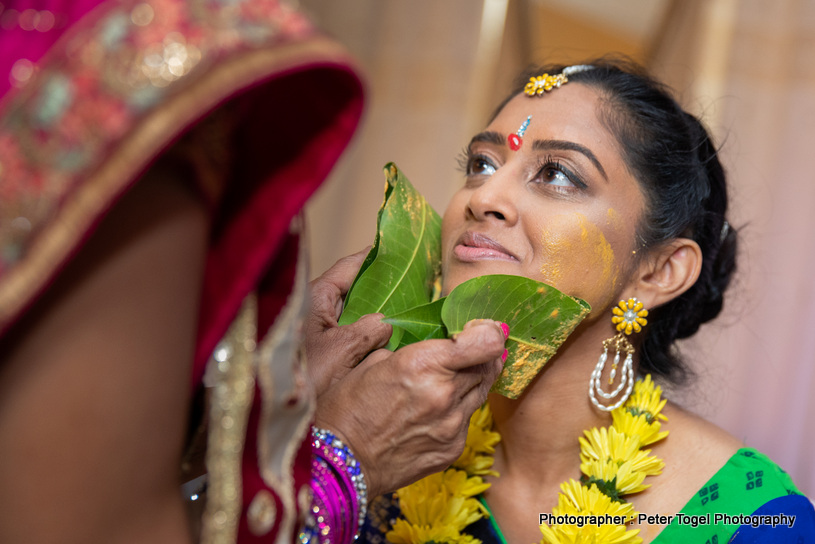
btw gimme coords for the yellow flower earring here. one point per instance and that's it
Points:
(629, 316)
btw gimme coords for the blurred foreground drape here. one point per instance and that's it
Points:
(746, 66)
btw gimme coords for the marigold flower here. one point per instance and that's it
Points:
(646, 399)
(616, 459)
(438, 507)
(577, 499)
(630, 424)
(476, 459)
(614, 479)
(407, 533)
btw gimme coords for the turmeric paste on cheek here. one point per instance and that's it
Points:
(578, 260)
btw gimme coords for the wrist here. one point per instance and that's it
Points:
(350, 431)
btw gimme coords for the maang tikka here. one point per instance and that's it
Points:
(629, 316)
(537, 86)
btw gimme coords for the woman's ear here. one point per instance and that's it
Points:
(668, 272)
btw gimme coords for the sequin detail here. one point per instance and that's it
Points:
(232, 368)
(113, 68)
(262, 513)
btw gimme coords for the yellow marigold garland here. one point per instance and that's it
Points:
(577, 499)
(438, 507)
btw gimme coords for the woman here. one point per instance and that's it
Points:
(154, 158)
(592, 179)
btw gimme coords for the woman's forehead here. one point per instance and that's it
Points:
(572, 105)
(571, 113)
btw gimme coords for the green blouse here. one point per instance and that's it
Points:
(749, 483)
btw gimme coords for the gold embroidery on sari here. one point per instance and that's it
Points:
(233, 370)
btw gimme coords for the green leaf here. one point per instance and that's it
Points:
(419, 323)
(540, 318)
(399, 272)
(608, 488)
(397, 279)
(371, 256)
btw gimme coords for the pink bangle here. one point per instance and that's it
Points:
(340, 496)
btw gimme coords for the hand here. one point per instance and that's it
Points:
(405, 414)
(332, 351)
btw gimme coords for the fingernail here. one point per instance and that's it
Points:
(505, 328)
(504, 356)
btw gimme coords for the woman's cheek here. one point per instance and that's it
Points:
(449, 222)
(578, 260)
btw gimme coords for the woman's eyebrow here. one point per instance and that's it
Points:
(563, 145)
(490, 137)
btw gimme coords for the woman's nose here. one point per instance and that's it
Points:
(494, 199)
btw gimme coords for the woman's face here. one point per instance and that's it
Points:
(562, 209)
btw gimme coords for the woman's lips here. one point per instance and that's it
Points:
(472, 247)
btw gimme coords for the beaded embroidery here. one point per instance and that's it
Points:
(112, 68)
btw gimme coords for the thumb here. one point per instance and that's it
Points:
(341, 274)
(480, 341)
(329, 289)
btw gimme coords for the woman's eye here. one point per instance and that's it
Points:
(479, 166)
(553, 176)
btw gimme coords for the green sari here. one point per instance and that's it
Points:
(749, 489)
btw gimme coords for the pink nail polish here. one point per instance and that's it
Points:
(504, 356)
(505, 328)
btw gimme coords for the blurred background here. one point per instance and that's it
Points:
(435, 70)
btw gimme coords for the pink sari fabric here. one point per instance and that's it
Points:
(112, 86)
(28, 28)
(121, 85)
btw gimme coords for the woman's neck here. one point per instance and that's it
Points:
(539, 431)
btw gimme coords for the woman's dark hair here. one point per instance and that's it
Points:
(671, 155)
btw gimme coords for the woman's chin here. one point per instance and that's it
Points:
(454, 275)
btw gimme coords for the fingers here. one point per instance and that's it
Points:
(328, 290)
(333, 351)
(455, 368)
(476, 345)
(417, 401)
(481, 341)
(368, 333)
(375, 357)
(476, 395)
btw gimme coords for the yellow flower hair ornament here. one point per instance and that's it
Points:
(538, 85)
